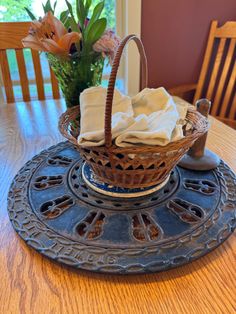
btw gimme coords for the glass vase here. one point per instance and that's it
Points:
(76, 74)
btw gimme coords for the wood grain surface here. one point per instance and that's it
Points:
(31, 283)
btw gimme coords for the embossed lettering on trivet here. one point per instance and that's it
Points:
(56, 213)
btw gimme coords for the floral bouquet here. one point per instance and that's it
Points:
(76, 45)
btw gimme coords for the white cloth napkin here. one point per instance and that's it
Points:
(149, 118)
(92, 109)
(163, 118)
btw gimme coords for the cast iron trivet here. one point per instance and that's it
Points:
(57, 214)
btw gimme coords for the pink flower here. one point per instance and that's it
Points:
(107, 44)
(50, 35)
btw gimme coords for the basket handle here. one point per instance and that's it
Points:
(112, 81)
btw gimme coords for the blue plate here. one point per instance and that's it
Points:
(97, 185)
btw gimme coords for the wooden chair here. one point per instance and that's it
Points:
(217, 80)
(11, 35)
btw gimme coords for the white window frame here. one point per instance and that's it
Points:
(128, 21)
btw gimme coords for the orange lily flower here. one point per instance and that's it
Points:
(50, 35)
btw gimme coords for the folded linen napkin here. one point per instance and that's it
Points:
(151, 117)
(92, 109)
(163, 117)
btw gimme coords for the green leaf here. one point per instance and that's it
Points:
(30, 14)
(96, 31)
(64, 15)
(95, 16)
(74, 26)
(54, 7)
(97, 11)
(69, 6)
(47, 7)
(80, 9)
(64, 18)
(87, 6)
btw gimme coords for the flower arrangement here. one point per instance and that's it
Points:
(76, 45)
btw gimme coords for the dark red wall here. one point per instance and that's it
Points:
(175, 34)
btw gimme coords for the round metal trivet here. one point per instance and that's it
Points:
(59, 215)
(97, 185)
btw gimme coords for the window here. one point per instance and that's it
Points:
(128, 13)
(119, 14)
(12, 10)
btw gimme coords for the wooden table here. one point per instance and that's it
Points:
(31, 283)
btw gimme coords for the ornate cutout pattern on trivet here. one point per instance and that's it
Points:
(92, 226)
(187, 212)
(45, 182)
(82, 191)
(70, 223)
(54, 208)
(205, 187)
(59, 161)
(145, 228)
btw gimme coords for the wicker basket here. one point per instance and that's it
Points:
(115, 165)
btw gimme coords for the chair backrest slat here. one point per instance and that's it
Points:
(232, 113)
(11, 34)
(216, 67)
(229, 91)
(54, 82)
(206, 62)
(38, 75)
(222, 81)
(23, 74)
(6, 76)
(218, 74)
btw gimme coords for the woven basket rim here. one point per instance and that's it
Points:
(199, 128)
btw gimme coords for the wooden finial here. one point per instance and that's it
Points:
(198, 157)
